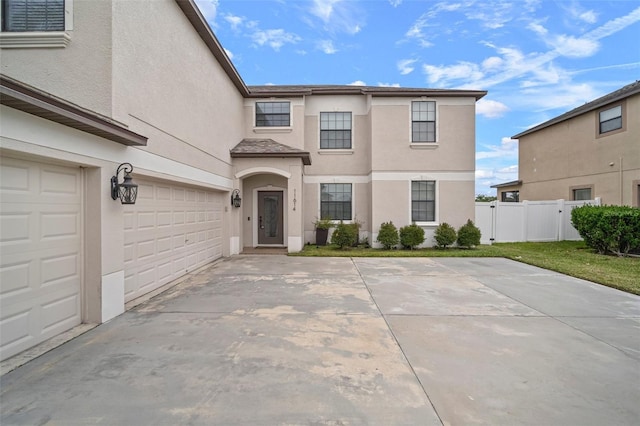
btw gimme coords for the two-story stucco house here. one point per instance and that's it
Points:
(88, 86)
(592, 151)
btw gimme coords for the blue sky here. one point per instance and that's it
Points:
(536, 58)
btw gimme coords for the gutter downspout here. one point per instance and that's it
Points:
(620, 173)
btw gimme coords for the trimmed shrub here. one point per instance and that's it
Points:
(469, 235)
(608, 229)
(411, 236)
(388, 235)
(345, 235)
(445, 235)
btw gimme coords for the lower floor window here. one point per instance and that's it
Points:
(423, 201)
(335, 201)
(582, 194)
(510, 196)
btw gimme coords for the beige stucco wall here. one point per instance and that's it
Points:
(80, 72)
(554, 160)
(292, 136)
(169, 87)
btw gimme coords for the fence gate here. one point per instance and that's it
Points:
(504, 222)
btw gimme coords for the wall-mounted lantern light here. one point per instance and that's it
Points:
(235, 198)
(127, 191)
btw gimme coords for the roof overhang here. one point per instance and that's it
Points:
(506, 184)
(299, 91)
(25, 98)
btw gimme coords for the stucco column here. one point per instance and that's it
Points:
(295, 240)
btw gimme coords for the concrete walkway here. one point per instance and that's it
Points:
(276, 340)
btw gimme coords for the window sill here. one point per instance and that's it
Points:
(424, 145)
(335, 152)
(46, 39)
(428, 224)
(272, 129)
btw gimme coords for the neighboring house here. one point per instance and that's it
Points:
(90, 85)
(592, 151)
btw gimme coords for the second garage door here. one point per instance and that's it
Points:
(171, 230)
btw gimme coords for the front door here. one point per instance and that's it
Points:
(270, 219)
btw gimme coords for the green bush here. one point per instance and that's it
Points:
(345, 235)
(411, 236)
(388, 235)
(445, 235)
(608, 229)
(469, 235)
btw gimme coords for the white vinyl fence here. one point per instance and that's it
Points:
(503, 222)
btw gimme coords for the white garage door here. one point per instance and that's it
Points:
(40, 252)
(170, 231)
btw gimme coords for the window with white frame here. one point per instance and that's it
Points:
(423, 201)
(273, 114)
(423, 121)
(33, 15)
(335, 130)
(581, 194)
(336, 201)
(610, 119)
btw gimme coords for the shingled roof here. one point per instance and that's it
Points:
(261, 148)
(625, 92)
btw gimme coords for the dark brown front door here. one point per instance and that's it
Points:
(270, 219)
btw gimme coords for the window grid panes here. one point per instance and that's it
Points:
(32, 15)
(611, 119)
(272, 114)
(582, 194)
(423, 201)
(423, 121)
(335, 130)
(335, 201)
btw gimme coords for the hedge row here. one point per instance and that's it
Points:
(608, 229)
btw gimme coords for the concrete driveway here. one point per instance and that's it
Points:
(275, 340)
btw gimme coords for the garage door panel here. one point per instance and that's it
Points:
(179, 220)
(40, 250)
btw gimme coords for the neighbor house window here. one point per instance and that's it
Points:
(423, 121)
(510, 196)
(610, 119)
(32, 15)
(335, 130)
(423, 201)
(335, 201)
(273, 114)
(582, 194)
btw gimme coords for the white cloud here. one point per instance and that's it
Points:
(395, 3)
(339, 15)
(234, 21)
(508, 148)
(209, 9)
(358, 83)
(492, 63)
(490, 108)
(388, 84)
(444, 75)
(274, 38)
(229, 53)
(577, 12)
(573, 47)
(492, 15)
(405, 66)
(327, 47)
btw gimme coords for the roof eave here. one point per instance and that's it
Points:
(304, 156)
(32, 101)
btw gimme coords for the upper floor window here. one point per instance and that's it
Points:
(423, 201)
(423, 121)
(273, 114)
(335, 201)
(582, 194)
(335, 130)
(610, 119)
(33, 15)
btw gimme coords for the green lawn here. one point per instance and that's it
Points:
(568, 257)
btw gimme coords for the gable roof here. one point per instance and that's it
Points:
(623, 93)
(261, 148)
